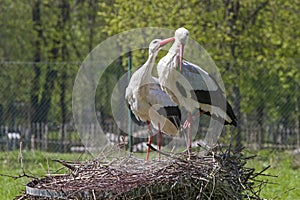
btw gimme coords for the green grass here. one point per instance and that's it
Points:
(36, 164)
(283, 165)
(286, 167)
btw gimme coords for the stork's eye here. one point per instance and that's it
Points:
(155, 42)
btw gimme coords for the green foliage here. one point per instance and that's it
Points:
(15, 31)
(254, 43)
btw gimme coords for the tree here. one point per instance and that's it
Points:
(254, 43)
(37, 28)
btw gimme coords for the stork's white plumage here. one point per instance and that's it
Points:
(190, 86)
(148, 102)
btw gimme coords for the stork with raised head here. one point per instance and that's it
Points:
(148, 102)
(192, 87)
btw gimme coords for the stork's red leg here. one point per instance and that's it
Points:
(159, 137)
(149, 140)
(190, 132)
(148, 150)
(188, 124)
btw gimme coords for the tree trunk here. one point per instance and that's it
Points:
(63, 27)
(231, 17)
(91, 21)
(260, 120)
(48, 87)
(236, 105)
(297, 124)
(232, 9)
(35, 86)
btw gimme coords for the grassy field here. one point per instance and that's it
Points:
(283, 164)
(286, 167)
(36, 164)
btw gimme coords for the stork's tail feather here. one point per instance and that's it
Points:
(172, 113)
(227, 118)
(134, 118)
(230, 113)
(168, 117)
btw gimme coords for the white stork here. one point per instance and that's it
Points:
(148, 102)
(192, 87)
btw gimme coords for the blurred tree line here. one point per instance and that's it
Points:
(254, 43)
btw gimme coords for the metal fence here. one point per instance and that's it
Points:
(48, 137)
(269, 107)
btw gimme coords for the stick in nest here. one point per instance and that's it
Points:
(24, 174)
(166, 154)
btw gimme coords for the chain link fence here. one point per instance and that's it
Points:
(36, 106)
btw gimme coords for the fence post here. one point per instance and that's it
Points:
(32, 143)
(7, 141)
(130, 138)
(60, 142)
(92, 132)
(297, 126)
(64, 140)
(38, 139)
(46, 137)
(42, 128)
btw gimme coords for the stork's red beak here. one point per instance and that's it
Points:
(166, 41)
(181, 49)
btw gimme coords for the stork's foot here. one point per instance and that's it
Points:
(188, 153)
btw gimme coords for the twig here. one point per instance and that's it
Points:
(277, 196)
(19, 176)
(64, 163)
(20, 157)
(165, 154)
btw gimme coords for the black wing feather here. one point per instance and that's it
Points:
(134, 119)
(205, 97)
(172, 113)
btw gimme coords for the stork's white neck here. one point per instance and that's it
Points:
(150, 62)
(168, 63)
(147, 68)
(174, 48)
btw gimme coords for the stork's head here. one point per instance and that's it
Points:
(156, 44)
(181, 36)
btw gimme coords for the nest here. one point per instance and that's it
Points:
(216, 175)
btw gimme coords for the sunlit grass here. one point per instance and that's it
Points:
(36, 164)
(283, 165)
